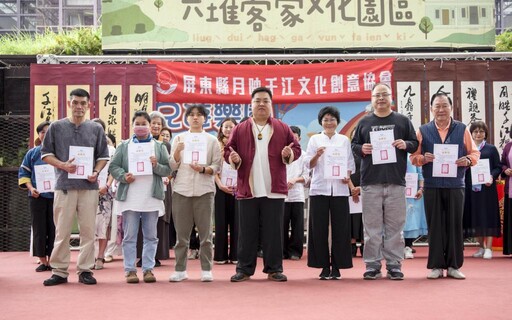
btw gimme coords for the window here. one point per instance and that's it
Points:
(484, 13)
(463, 12)
(8, 7)
(437, 14)
(9, 23)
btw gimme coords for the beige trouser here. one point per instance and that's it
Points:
(185, 212)
(82, 204)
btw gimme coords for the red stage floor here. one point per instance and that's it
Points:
(485, 294)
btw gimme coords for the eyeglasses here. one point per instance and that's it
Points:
(380, 95)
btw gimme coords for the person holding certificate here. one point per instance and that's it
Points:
(446, 151)
(329, 156)
(77, 148)
(196, 156)
(383, 138)
(39, 179)
(259, 149)
(481, 207)
(139, 164)
(226, 206)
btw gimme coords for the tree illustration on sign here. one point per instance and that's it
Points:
(426, 25)
(159, 4)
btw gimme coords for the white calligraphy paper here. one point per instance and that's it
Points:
(195, 149)
(411, 184)
(481, 172)
(335, 163)
(382, 149)
(84, 161)
(444, 161)
(45, 178)
(138, 158)
(228, 175)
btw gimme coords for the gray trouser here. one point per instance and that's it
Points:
(186, 211)
(384, 211)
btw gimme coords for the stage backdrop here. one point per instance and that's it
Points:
(117, 91)
(285, 24)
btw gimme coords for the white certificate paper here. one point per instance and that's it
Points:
(382, 149)
(195, 149)
(84, 160)
(355, 207)
(481, 172)
(411, 184)
(138, 158)
(335, 163)
(228, 175)
(45, 178)
(444, 161)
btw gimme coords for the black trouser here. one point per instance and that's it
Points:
(444, 210)
(293, 242)
(268, 212)
(337, 208)
(43, 227)
(226, 227)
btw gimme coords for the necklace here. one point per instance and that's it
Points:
(260, 136)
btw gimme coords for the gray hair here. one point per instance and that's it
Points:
(158, 114)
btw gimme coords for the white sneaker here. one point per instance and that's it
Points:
(178, 276)
(456, 274)
(193, 254)
(435, 274)
(479, 253)
(487, 254)
(206, 276)
(408, 253)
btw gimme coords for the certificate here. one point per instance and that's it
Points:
(444, 162)
(195, 149)
(382, 149)
(45, 178)
(355, 207)
(411, 184)
(84, 161)
(228, 175)
(138, 158)
(481, 172)
(335, 163)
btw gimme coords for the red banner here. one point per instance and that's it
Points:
(320, 82)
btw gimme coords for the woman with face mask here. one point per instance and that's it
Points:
(140, 194)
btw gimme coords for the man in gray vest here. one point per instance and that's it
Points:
(444, 196)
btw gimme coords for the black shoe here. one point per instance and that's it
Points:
(395, 274)
(335, 274)
(139, 263)
(157, 263)
(86, 278)
(354, 250)
(361, 249)
(54, 280)
(277, 276)
(294, 257)
(43, 267)
(372, 274)
(413, 250)
(260, 253)
(325, 274)
(239, 277)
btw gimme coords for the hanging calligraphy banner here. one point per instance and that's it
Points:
(502, 92)
(218, 83)
(141, 98)
(472, 101)
(408, 100)
(110, 103)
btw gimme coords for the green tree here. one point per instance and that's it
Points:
(159, 4)
(426, 26)
(504, 41)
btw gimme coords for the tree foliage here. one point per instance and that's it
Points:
(504, 41)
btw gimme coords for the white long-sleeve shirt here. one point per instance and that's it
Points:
(297, 169)
(319, 185)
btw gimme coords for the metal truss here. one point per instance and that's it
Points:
(271, 59)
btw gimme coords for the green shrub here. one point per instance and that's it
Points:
(504, 41)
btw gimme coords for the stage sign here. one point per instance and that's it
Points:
(289, 24)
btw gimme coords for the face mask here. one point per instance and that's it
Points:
(141, 131)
